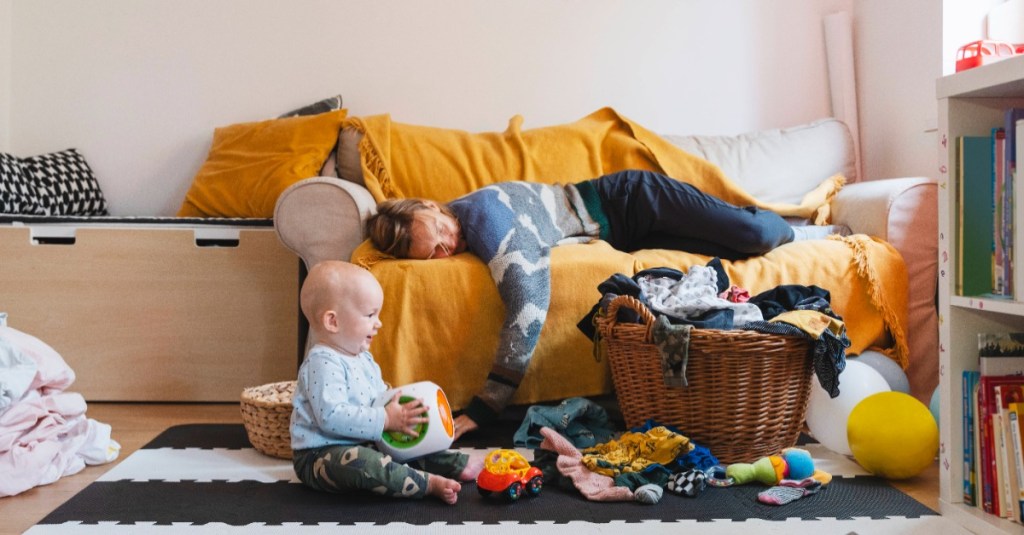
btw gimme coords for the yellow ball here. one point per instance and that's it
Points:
(892, 435)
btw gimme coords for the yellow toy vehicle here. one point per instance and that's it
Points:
(508, 473)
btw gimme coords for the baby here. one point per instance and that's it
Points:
(333, 424)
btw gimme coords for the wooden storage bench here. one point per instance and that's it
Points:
(155, 309)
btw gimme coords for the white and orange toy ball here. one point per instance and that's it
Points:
(435, 435)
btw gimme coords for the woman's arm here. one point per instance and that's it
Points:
(523, 275)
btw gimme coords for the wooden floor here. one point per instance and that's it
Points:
(136, 424)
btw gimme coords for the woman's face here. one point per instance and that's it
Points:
(435, 234)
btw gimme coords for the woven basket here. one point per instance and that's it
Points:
(267, 413)
(747, 394)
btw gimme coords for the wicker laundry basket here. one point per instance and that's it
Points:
(747, 394)
(267, 413)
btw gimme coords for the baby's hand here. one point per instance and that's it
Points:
(404, 417)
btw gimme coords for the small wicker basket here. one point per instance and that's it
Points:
(747, 394)
(266, 413)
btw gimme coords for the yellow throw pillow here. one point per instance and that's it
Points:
(250, 164)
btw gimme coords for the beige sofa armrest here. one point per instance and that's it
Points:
(904, 212)
(322, 218)
(887, 208)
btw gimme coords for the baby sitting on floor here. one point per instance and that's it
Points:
(333, 424)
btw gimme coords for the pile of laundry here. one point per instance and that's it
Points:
(703, 298)
(577, 448)
(44, 433)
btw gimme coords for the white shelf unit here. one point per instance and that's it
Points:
(969, 103)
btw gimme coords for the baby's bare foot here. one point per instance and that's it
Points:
(472, 469)
(445, 489)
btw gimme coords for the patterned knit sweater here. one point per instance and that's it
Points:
(512, 227)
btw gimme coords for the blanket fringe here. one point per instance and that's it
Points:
(858, 244)
(373, 163)
(367, 261)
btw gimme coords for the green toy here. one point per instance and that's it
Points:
(792, 463)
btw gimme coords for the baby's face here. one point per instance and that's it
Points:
(359, 319)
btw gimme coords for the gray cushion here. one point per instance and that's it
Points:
(779, 165)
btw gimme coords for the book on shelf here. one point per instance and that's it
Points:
(1001, 353)
(989, 452)
(1013, 152)
(979, 472)
(1000, 209)
(970, 389)
(1016, 416)
(977, 227)
(1006, 473)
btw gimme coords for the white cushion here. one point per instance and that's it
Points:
(779, 165)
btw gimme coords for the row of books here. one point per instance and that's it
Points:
(993, 426)
(986, 198)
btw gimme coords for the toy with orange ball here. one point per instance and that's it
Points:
(892, 435)
(435, 435)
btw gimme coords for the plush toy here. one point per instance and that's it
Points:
(792, 464)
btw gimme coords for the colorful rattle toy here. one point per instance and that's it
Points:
(507, 473)
(435, 435)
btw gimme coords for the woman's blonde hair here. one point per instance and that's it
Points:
(390, 228)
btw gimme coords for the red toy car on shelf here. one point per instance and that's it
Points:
(506, 472)
(984, 52)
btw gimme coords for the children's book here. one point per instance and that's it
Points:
(977, 236)
(1014, 233)
(1006, 471)
(979, 470)
(970, 388)
(987, 407)
(1016, 410)
(1001, 267)
(1001, 353)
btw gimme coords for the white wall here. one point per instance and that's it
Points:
(963, 21)
(5, 75)
(139, 85)
(899, 56)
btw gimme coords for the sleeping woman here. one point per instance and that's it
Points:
(512, 227)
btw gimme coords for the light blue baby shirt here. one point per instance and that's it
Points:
(332, 400)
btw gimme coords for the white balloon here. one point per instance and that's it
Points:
(826, 416)
(888, 368)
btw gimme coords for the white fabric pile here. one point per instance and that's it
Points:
(44, 433)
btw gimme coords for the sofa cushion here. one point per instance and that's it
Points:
(811, 153)
(17, 194)
(318, 107)
(65, 184)
(347, 156)
(250, 164)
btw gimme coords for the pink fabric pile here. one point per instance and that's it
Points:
(44, 433)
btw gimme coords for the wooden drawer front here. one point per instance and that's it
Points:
(149, 315)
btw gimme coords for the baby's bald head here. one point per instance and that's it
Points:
(331, 284)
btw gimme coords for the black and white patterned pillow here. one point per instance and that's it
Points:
(320, 106)
(17, 193)
(65, 185)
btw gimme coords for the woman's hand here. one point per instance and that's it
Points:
(463, 425)
(404, 417)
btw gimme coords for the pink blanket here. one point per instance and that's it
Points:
(44, 433)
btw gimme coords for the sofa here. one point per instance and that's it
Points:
(441, 317)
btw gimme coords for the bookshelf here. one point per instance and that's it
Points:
(969, 103)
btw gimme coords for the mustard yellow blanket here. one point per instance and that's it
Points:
(401, 160)
(442, 317)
